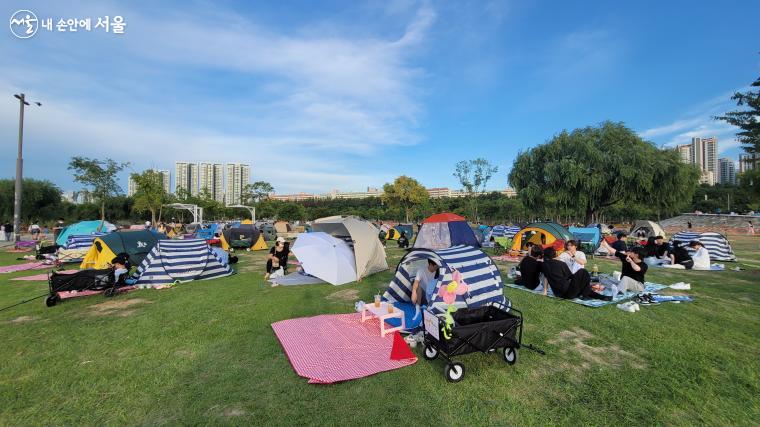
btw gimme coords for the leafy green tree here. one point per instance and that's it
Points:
(405, 192)
(256, 192)
(40, 200)
(593, 168)
(748, 119)
(474, 175)
(291, 211)
(150, 194)
(99, 176)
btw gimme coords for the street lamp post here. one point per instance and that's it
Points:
(19, 168)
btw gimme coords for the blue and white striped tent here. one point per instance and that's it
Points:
(715, 243)
(504, 231)
(478, 272)
(173, 261)
(81, 241)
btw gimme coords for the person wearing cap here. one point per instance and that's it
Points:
(278, 257)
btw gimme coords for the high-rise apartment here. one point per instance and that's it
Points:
(727, 171)
(212, 180)
(703, 153)
(186, 177)
(747, 162)
(238, 175)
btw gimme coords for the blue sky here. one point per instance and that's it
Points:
(322, 95)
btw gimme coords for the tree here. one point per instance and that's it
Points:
(404, 193)
(748, 120)
(150, 194)
(587, 170)
(291, 211)
(474, 176)
(40, 200)
(257, 191)
(100, 176)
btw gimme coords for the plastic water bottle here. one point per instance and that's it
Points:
(595, 270)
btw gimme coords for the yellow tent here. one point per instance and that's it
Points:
(392, 234)
(543, 234)
(261, 244)
(136, 244)
(246, 221)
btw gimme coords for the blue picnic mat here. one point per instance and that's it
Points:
(410, 322)
(649, 287)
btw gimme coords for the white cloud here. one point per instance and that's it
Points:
(335, 98)
(698, 122)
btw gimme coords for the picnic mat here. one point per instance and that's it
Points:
(43, 276)
(649, 287)
(297, 278)
(714, 267)
(338, 347)
(412, 320)
(24, 267)
(507, 258)
(77, 294)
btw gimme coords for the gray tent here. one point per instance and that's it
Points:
(646, 229)
(362, 236)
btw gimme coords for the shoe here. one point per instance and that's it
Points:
(627, 307)
(635, 306)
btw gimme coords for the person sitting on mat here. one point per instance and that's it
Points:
(619, 244)
(403, 241)
(530, 269)
(121, 267)
(656, 251)
(278, 257)
(565, 284)
(701, 257)
(574, 258)
(679, 257)
(633, 266)
(424, 282)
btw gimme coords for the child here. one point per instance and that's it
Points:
(701, 257)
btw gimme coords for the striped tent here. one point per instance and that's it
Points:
(81, 241)
(504, 231)
(478, 272)
(716, 244)
(173, 261)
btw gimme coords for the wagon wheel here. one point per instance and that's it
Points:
(510, 355)
(454, 372)
(430, 353)
(51, 300)
(109, 292)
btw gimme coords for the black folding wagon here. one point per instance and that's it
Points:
(483, 329)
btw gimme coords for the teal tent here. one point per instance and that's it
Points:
(83, 228)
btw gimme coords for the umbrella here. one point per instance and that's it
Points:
(326, 257)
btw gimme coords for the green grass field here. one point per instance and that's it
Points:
(204, 353)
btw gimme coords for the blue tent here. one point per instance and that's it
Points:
(587, 235)
(208, 232)
(504, 231)
(445, 230)
(484, 284)
(83, 228)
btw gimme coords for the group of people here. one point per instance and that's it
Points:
(38, 232)
(565, 273)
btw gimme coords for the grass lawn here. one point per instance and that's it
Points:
(204, 353)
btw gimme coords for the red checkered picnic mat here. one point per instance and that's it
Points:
(337, 347)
